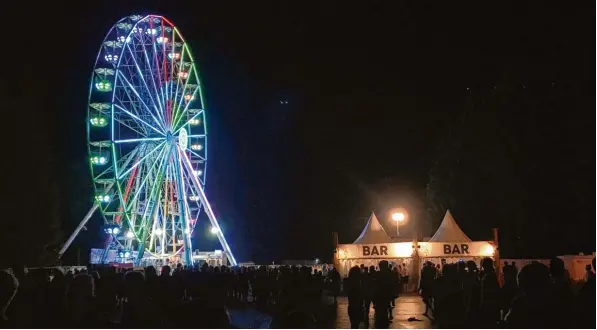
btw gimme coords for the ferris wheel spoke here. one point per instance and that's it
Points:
(141, 100)
(180, 114)
(178, 80)
(139, 140)
(157, 104)
(133, 106)
(184, 224)
(196, 154)
(150, 170)
(132, 128)
(176, 128)
(153, 82)
(157, 65)
(156, 182)
(140, 161)
(132, 115)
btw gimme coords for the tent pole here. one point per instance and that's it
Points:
(496, 256)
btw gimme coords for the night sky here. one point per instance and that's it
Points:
(485, 109)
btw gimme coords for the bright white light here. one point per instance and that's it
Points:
(174, 56)
(196, 146)
(402, 250)
(214, 230)
(106, 198)
(111, 58)
(187, 231)
(109, 230)
(488, 251)
(194, 198)
(116, 230)
(129, 234)
(197, 172)
(102, 160)
(158, 231)
(127, 254)
(398, 216)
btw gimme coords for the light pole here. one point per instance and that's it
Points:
(399, 217)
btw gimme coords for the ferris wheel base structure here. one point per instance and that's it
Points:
(147, 143)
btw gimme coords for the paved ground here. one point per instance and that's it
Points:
(336, 316)
(406, 307)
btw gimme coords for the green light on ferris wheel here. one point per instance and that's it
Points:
(98, 160)
(102, 198)
(98, 121)
(103, 86)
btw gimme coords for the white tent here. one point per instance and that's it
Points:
(449, 231)
(373, 233)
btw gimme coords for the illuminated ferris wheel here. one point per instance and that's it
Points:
(148, 141)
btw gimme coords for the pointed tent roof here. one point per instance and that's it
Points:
(373, 232)
(449, 231)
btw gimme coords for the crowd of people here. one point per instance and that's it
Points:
(372, 287)
(457, 295)
(461, 295)
(196, 297)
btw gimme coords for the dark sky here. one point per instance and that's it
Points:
(374, 91)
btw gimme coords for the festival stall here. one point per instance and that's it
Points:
(372, 246)
(450, 245)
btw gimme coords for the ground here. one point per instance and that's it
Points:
(406, 307)
(337, 316)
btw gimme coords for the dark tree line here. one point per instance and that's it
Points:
(517, 159)
(32, 202)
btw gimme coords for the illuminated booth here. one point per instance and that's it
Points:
(448, 245)
(372, 246)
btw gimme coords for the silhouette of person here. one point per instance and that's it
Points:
(355, 297)
(490, 295)
(383, 295)
(534, 307)
(368, 283)
(449, 300)
(427, 282)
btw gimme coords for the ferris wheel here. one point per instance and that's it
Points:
(147, 141)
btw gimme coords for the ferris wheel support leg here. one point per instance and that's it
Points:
(78, 229)
(207, 206)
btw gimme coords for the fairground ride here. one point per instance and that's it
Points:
(147, 142)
